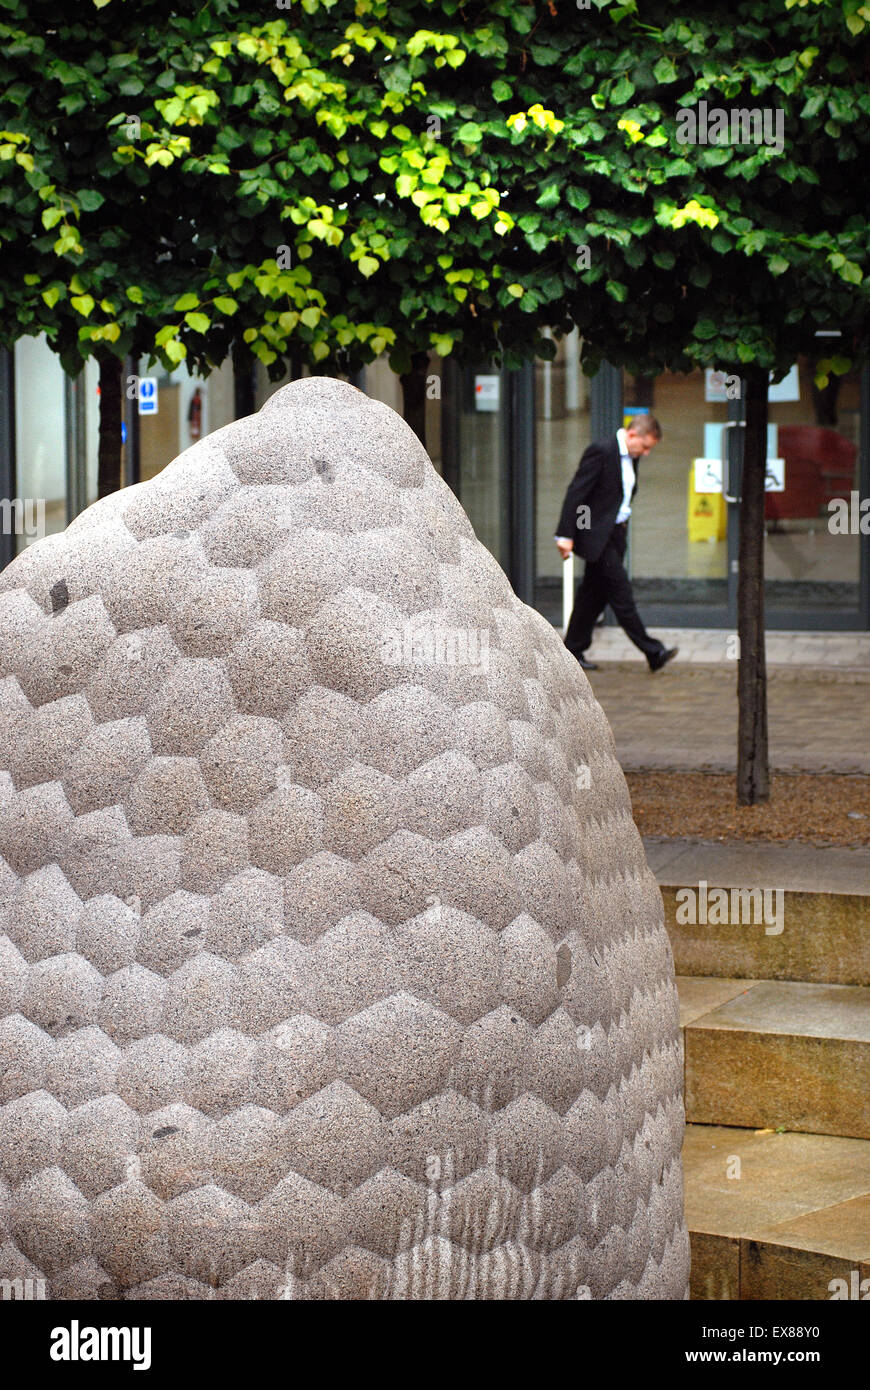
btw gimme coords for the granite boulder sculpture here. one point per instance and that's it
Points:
(330, 962)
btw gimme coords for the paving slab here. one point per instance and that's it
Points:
(824, 910)
(699, 996)
(842, 1230)
(775, 1216)
(782, 1053)
(775, 1178)
(795, 1008)
(793, 867)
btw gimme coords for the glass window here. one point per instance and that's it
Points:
(40, 442)
(678, 533)
(807, 563)
(188, 408)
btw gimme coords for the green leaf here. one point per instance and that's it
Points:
(368, 265)
(622, 92)
(175, 350)
(705, 329)
(82, 303)
(311, 316)
(51, 296)
(501, 91)
(550, 196)
(200, 323)
(225, 304)
(90, 199)
(51, 216)
(665, 71)
(135, 295)
(777, 265)
(187, 301)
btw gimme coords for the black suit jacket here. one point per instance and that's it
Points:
(597, 484)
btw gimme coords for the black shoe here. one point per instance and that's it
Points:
(587, 665)
(664, 656)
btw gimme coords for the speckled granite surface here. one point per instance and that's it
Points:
(331, 963)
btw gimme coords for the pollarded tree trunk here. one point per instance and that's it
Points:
(753, 781)
(111, 411)
(414, 395)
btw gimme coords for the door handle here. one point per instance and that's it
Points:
(726, 463)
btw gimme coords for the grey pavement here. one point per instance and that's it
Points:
(685, 717)
(832, 651)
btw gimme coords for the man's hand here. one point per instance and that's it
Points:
(564, 548)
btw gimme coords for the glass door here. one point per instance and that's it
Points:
(562, 432)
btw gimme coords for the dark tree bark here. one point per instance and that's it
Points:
(244, 384)
(753, 779)
(109, 452)
(414, 395)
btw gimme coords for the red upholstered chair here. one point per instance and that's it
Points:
(819, 465)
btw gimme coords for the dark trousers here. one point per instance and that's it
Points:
(605, 581)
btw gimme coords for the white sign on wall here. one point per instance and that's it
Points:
(486, 393)
(715, 389)
(708, 475)
(789, 389)
(774, 478)
(147, 395)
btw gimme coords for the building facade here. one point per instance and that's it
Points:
(508, 442)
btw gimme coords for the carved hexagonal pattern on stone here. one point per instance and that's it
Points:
(322, 974)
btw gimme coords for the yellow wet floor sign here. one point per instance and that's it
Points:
(707, 518)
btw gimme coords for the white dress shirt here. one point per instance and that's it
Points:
(628, 481)
(628, 478)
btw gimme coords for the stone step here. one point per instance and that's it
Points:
(822, 933)
(771, 1053)
(777, 1216)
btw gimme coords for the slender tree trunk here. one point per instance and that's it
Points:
(753, 782)
(109, 453)
(244, 384)
(414, 395)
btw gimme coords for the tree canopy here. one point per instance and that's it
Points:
(349, 178)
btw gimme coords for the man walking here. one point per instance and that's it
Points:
(594, 523)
